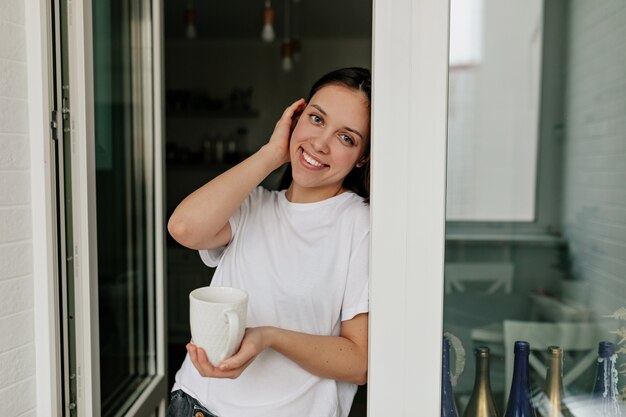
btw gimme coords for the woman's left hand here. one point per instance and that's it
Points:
(252, 344)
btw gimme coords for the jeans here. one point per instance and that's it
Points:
(183, 405)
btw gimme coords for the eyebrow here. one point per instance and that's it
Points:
(349, 129)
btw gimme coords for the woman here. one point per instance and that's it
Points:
(302, 256)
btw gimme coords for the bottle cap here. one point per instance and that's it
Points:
(482, 351)
(521, 346)
(606, 349)
(555, 351)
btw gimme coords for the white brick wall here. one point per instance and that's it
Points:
(595, 153)
(17, 350)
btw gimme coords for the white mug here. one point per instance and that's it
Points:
(217, 316)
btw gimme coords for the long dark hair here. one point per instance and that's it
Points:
(360, 79)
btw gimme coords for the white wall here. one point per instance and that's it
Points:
(17, 348)
(594, 206)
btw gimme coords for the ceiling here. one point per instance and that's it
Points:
(243, 19)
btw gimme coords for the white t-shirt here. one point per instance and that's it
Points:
(305, 268)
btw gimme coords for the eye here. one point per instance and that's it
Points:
(316, 119)
(346, 139)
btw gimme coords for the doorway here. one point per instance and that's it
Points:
(410, 39)
(225, 88)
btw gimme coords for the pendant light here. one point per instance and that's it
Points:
(286, 52)
(190, 21)
(267, 34)
(296, 45)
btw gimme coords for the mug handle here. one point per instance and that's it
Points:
(233, 329)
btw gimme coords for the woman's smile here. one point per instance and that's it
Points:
(310, 162)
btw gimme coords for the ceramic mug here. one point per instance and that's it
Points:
(217, 316)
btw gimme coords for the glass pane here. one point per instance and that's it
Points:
(125, 281)
(536, 219)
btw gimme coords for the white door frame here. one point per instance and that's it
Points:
(39, 75)
(83, 162)
(84, 210)
(410, 58)
(409, 124)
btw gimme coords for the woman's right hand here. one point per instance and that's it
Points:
(279, 141)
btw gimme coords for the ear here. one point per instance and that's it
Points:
(364, 160)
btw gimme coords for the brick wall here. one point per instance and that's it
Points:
(594, 206)
(17, 350)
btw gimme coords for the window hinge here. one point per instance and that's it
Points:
(54, 125)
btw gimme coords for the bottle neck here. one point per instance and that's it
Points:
(519, 404)
(482, 371)
(520, 370)
(552, 405)
(554, 377)
(606, 378)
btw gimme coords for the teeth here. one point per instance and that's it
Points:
(310, 160)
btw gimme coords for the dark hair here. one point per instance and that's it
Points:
(360, 79)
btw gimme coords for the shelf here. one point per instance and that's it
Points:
(212, 114)
(207, 167)
(547, 240)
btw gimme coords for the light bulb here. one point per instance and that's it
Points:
(287, 64)
(286, 53)
(268, 33)
(296, 49)
(190, 22)
(190, 31)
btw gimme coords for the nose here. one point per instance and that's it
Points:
(321, 143)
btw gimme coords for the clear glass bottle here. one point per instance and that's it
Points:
(448, 406)
(605, 393)
(551, 404)
(519, 403)
(481, 402)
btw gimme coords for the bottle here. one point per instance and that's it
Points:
(519, 404)
(605, 392)
(448, 407)
(551, 404)
(481, 402)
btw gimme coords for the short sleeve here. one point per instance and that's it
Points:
(212, 257)
(356, 297)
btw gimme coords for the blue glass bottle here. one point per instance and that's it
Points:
(519, 404)
(605, 393)
(448, 407)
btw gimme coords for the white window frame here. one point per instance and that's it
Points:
(153, 396)
(409, 123)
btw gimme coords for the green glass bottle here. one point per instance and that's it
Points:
(481, 403)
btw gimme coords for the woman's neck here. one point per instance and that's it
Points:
(297, 194)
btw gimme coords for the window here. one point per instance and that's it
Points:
(493, 110)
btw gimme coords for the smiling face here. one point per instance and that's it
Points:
(327, 142)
